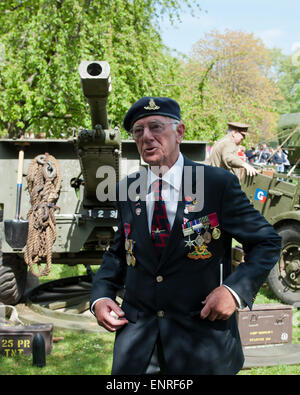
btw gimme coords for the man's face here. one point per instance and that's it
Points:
(157, 141)
(237, 136)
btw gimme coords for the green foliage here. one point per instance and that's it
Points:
(287, 71)
(228, 79)
(43, 42)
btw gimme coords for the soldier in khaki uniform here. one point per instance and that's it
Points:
(224, 153)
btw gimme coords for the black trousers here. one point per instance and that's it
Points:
(157, 363)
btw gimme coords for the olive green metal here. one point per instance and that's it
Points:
(277, 197)
(286, 125)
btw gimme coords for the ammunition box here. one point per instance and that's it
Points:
(265, 324)
(15, 340)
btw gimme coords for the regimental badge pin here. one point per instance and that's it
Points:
(152, 105)
(138, 211)
(157, 230)
(200, 252)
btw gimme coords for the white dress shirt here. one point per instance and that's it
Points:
(171, 183)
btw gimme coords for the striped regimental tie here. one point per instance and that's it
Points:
(160, 227)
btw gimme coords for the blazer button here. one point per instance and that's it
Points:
(160, 314)
(159, 279)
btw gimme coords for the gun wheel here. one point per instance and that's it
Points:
(284, 278)
(13, 274)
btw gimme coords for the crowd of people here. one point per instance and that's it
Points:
(266, 155)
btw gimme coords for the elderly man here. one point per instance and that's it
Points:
(224, 153)
(173, 256)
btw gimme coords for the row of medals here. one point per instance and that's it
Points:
(130, 258)
(199, 244)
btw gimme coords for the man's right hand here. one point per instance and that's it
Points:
(106, 310)
(251, 171)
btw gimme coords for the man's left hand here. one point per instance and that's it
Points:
(220, 304)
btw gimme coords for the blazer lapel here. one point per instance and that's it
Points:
(143, 238)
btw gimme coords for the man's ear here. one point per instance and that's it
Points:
(180, 130)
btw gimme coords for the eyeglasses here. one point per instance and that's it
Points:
(155, 128)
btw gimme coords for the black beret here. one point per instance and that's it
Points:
(151, 106)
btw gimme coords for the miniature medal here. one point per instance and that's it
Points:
(132, 260)
(207, 237)
(216, 233)
(199, 240)
(214, 223)
(189, 243)
(128, 259)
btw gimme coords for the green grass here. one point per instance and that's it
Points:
(77, 354)
(91, 353)
(61, 271)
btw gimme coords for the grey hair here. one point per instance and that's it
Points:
(175, 124)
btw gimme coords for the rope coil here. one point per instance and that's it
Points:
(44, 184)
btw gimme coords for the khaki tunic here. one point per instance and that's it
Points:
(224, 154)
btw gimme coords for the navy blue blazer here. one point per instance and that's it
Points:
(164, 298)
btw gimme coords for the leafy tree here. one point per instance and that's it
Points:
(228, 78)
(43, 42)
(287, 78)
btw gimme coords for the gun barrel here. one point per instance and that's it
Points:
(96, 86)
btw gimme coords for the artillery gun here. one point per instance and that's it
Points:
(277, 196)
(90, 165)
(84, 225)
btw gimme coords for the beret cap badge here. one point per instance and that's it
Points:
(152, 105)
(149, 105)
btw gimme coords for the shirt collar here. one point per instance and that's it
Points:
(173, 176)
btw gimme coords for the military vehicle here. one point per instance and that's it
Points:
(83, 225)
(289, 137)
(277, 197)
